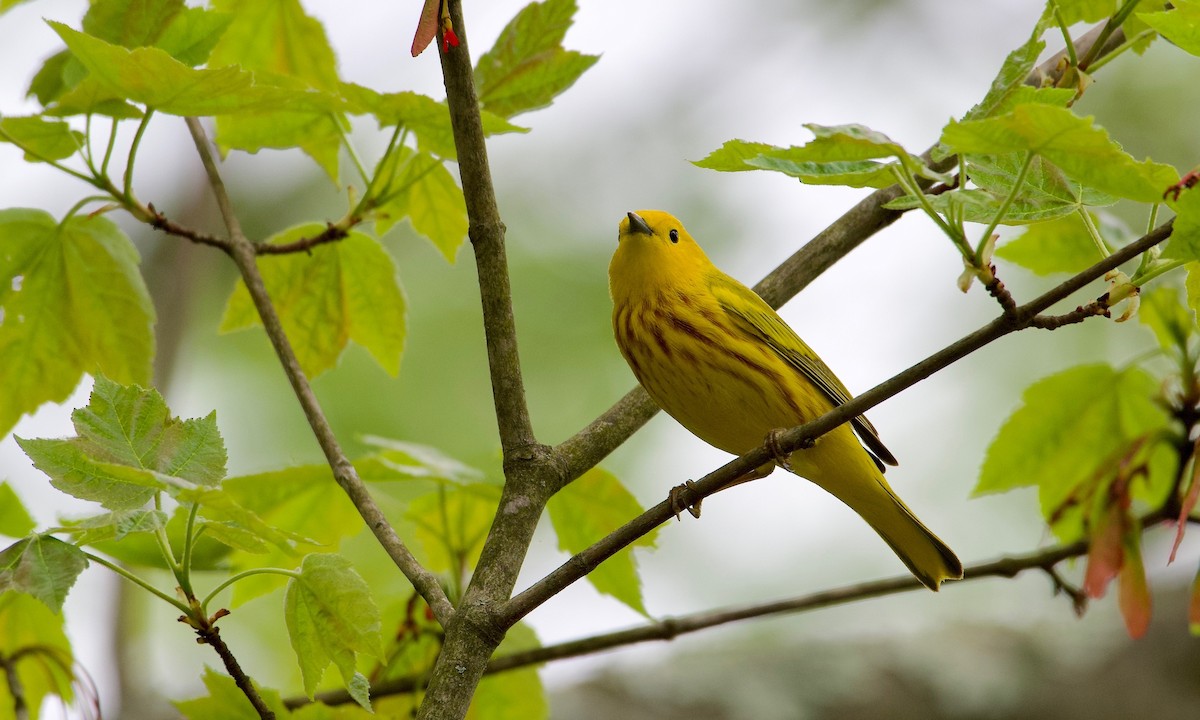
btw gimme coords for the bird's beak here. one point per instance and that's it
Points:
(638, 225)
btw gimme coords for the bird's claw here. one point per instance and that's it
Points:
(782, 459)
(678, 500)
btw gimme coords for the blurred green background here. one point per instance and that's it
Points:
(676, 79)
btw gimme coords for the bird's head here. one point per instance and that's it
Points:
(655, 250)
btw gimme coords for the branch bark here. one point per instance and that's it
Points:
(241, 250)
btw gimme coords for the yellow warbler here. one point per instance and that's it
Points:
(719, 360)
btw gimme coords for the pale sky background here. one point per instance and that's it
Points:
(675, 80)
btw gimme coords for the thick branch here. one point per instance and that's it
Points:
(242, 252)
(1024, 316)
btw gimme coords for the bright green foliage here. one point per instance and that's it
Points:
(528, 67)
(130, 23)
(127, 441)
(46, 666)
(1185, 234)
(1083, 151)
(226, 702)
(192, 35)
(735, 156)
(1073, 11)
(338, 292)
(590, 508)
(331, 617)
(1070, 435)
(420, 188)
(15, 520)
(42, 566)
(50, 336)
(115, 525)
(1059, 246)
(6, 5)
(1180, 25)
(41, 139)
(451, 524)
(275, 38)
(139, 547)
(152, 77)
(1013, 72)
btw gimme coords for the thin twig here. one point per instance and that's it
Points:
(211, 635)
(243, 254)
(331, 233)
(798, 437)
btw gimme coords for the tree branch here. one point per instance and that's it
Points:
(1026, 315)
(211, 635)
(241, 250)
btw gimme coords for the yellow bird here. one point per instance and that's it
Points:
(719, 360)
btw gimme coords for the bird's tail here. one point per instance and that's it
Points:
(861, 486)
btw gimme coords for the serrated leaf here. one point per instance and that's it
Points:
(42, 566)
(1074, 11)
(42, 140)
(35, 631)
(73, 470)
(217, 504)
(1058, 246)
(115, 525)
(91, 97)
(59, 73)
(143, 549)
(528, 67)
(130, 23)
(1170, 319)
(278, 38)
(1046, 192)
(225, 701)
(1014, 71)
(1180, 25)
(424, 191)
(152, 77)
(839, 155)
(71, 301)
(1083, 150)
(590, 508)
(734, 156)
(331, 617)
(337, 292)
(15, 520)
(192, 34)
(1185, 232)
(1068, 433)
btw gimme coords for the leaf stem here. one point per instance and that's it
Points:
(909, 183)
(242, 575)
(1094, 232)
(139, 582)
(1066, 33)
(108, 151)
(133, 148)
(1004, 206)
(350, 150)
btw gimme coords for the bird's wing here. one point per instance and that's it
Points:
(752, 315)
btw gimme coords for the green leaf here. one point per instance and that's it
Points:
(225, 701)
(192, 34)
(15, 520)
(1058, 246)
(42, 566)
(1166, 314)
(1068, 433)
(42, 140)
(587, 510)
(734, 156)
(91, 97)
(1185, 233)
(36, 632)
(1180, 25)
(337, 292)
(73, 470)
(424, 191)
(528, 67)
(152, 77)
(1016, 68)
(5, 6)
(277, 38)
(331, 617)
(1074, 11)
(115, 525)
(1083, 151)
(59, 73)
(130, 23)
(143, 549)
(71, 301)
(517, 695)
(1046, 193)
(411, 460)
(132, 426)
(421, 115)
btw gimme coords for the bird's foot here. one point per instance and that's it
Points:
(678, 499)
(783, 459)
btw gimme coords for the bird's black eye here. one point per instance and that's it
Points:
(674, 235)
